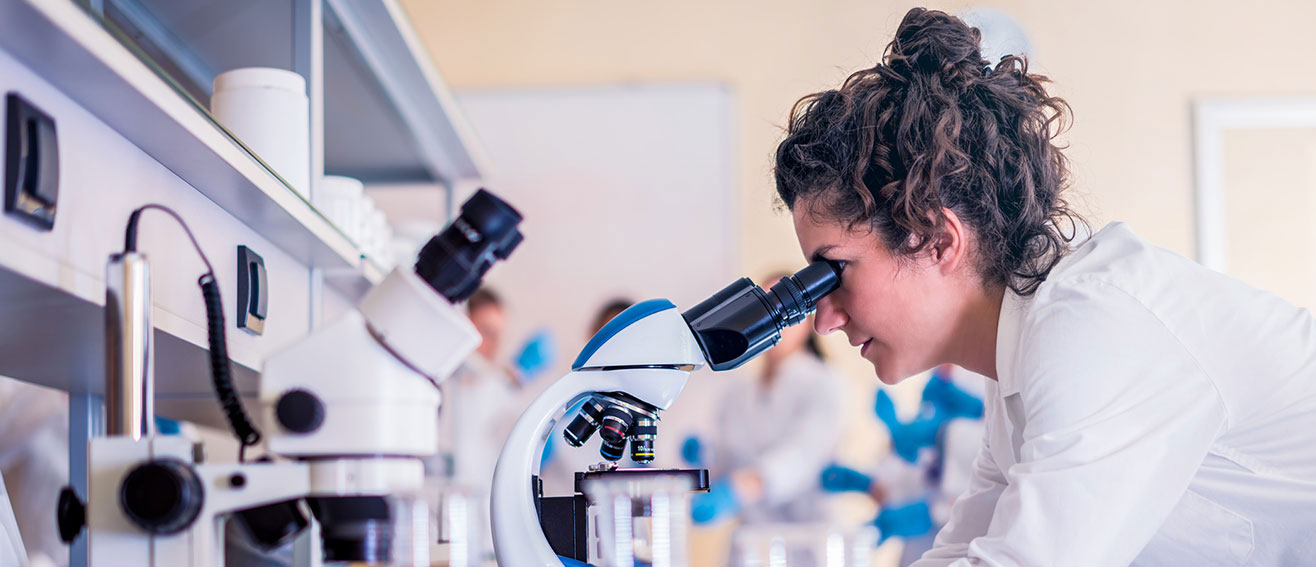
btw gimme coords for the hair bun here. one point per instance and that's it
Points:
(934, 44)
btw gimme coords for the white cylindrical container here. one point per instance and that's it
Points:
(381, 233)
(268, 111)
(365, 209)
(338, 198)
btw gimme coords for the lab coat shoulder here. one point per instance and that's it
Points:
(1256, 349)
(1101, 329)
(1108, 414)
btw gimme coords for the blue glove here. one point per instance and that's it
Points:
(692, 451)
(546, 456)
(720, 502)
(910, 520)
(907, 438)
(536, 356)
(166, 426)
(836, 478)
(948, 401)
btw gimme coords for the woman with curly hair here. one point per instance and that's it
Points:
(1140, 408)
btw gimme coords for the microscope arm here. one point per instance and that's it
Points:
(518, 537)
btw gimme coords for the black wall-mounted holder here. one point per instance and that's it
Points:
(253, 291)
(31, 163)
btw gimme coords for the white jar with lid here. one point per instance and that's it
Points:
(268, 111)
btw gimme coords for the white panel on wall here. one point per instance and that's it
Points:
(625, 191)
(1270, 199)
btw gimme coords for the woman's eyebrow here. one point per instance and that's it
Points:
(819, 255)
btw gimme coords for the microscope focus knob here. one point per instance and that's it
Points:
(299, 411)
(162, 496)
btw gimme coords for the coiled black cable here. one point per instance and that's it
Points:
(221, 370)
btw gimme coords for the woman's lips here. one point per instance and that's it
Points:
(863, 349)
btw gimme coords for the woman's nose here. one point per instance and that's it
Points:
(830, 317)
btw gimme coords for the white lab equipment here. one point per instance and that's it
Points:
(353, 407)
(632, 369)
(268, 111)
(640, 522)
(463, 526)
(803, 545)
(1147, 411)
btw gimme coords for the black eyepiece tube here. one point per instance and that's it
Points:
(455, 260)
(737, 323)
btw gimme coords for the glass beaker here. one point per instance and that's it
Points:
(639, 522)
(431, 526)
(803, 545)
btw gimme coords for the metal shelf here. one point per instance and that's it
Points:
(75, 54)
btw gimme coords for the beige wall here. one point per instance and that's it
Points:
(1130, 69)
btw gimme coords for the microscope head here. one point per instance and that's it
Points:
(414, 314)
(366, 384)
(724, 331)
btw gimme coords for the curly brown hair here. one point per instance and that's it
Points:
(933, 126)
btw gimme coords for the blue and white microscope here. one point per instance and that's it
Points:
(632, 369)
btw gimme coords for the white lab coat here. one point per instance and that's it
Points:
(34, 459)
(479, 407)
(11, 543)
(1147, 411)
(787, 433)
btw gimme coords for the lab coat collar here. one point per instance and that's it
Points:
(1007, 342)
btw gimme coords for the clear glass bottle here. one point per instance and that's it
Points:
(641, 521)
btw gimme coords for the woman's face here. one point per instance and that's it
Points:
(900, 314)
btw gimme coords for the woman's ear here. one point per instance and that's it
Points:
(950, 245)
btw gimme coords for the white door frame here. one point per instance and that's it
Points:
(1211, 118)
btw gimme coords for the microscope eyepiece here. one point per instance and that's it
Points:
(741, 321)
(455, 260)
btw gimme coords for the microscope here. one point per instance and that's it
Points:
(631, 370)
(353, 408)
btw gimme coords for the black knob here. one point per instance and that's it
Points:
(299, 411)
(70, 514)
(162, 497)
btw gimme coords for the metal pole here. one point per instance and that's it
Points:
(129, 371)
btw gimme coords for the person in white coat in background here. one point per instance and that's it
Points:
(560, 461)
(1140, 408)
(478, 409)
(777, 427)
